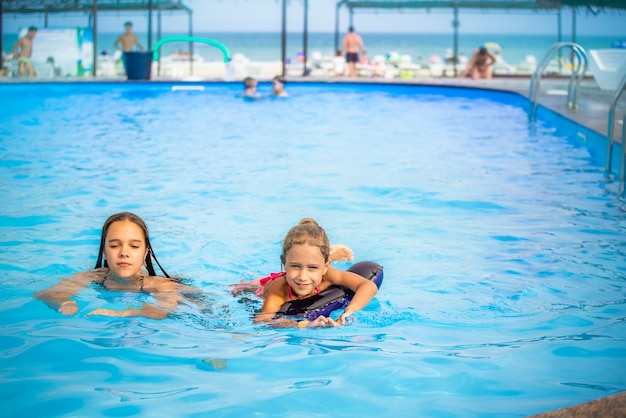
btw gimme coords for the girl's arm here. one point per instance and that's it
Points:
(57, 297)
(167, 293)
(271, 305)
(268, 317)
(364, 290)
(275, 297)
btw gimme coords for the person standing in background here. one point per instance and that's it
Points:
(352, 44)
(128, 39)
(25, 46)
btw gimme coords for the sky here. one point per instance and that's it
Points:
(265, 16)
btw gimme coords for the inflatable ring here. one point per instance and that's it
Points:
(333, 298)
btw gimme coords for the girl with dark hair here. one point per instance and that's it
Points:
(124, 251)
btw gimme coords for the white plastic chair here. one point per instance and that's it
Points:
(608, 66)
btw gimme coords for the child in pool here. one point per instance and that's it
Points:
(124, 248)
(250, 85)
(278, 86)
(306, 258)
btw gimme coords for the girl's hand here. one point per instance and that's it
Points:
(342, 319)
(69, 307)
(322, 321)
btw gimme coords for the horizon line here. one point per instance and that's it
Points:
(564, 34)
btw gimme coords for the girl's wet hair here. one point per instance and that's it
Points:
(306, 232)
(127, 216)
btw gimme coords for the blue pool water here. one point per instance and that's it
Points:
(503, 248)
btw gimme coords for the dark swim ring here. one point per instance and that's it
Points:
(333, 298)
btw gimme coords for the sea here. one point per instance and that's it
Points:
(266, 46)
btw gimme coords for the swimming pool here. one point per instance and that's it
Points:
(504, 251)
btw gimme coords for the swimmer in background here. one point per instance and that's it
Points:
(278, 86)
(306, 258)
(250, 84)
(25, 46)
(128, 39)
(480, 64)
(124, 248)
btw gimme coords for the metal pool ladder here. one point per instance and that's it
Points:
(609, 151)
(574, 81)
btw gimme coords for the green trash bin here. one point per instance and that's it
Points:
(138, 65)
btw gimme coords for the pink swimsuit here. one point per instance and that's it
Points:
(273, 276)
(265, 280)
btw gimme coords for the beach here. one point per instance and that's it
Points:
(416, 48)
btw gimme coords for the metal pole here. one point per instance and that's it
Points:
(305, 37)
(94, 12)
(159, 25)
(337, 27)
(559, 38)
(1, 37)
(573, 35)
(190, 43)
(150, 25)
(622, 174)
(158, 39)
(284, 38)
(455, 25)
(574, 24)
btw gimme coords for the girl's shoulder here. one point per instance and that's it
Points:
(166, 284)
(276, 287)
(332, 275)
(95, 275)
(160, 283)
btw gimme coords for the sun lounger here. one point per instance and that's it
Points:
(608, 66)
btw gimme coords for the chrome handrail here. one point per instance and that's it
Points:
(622, 175)
(574, 81)
(609, 136)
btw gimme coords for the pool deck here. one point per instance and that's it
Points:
(593, 110)
(610, 407)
